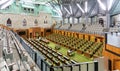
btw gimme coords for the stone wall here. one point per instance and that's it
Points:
(17, 20)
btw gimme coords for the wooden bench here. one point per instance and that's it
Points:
(73, 62)
(59, 54)
(56, 62)
(66, 58)
(54, 54)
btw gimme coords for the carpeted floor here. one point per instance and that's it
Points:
(77, 57)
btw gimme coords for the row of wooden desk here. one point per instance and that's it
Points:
(52, 56)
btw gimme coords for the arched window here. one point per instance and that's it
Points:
(101, 21)
(36, 22)
(45, 21)
(9, 22)
(24, 22)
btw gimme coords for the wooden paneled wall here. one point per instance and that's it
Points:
(18, 31)
(5, 27)
(85, 36)
(35, 32)
(111, 52)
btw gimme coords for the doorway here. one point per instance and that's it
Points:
(30, 35)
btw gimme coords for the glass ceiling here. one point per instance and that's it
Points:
(69, 8)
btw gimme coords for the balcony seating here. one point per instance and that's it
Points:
(65, 27)
(57, 26)
(76, 27)
(114, 29)
(95, 29)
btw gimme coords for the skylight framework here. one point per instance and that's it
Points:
(70, 9)
(101, 5)
(55, 8)
(86, 6)
(67, 10)
(110, 3)
(80, 8)
(9, 2)
(3, 1)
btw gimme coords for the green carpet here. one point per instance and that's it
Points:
(77, 57)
